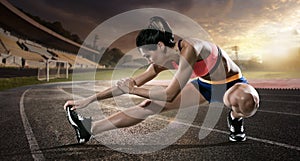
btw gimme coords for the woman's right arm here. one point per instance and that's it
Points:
(151, 72)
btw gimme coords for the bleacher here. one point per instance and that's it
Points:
(3, 48)
(75, 61)
(15, 50)
(14, 55)
(36, 48)
(26, 28)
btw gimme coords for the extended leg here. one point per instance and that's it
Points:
(108, 93)
(136, 114)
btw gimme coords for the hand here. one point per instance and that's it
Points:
(76, 104)
(126, 85)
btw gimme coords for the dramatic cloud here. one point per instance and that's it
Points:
(250, 24)
(83, 16)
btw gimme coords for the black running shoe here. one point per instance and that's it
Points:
(80, 124)
(236, 127)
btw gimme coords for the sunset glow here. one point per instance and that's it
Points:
(257, 27)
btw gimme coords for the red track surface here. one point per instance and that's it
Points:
(275, 83)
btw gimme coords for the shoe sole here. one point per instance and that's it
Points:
(233, 140)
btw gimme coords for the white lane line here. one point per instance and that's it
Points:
(210, 129)
(74, 96)
(280, 101)
(248, 137)
(164, 118)
(285, 95)
(33, 145)
(281, 113)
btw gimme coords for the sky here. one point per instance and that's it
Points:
(256, 26)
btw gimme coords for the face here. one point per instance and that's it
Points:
(154, 56)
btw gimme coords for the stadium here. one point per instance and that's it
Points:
(34, 124)
(24, 53)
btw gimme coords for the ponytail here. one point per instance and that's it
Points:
(158, 30)
(158, 23)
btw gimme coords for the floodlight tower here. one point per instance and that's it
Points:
(236, 49)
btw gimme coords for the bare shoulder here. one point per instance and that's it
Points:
(202, 48)
(187, 43)
(190, 47)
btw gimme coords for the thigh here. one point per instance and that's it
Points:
(188, 97)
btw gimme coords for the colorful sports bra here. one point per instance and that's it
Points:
(207, 65)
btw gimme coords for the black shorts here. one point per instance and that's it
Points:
(215, 92)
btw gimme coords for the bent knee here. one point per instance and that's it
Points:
(150, 107)
(145, 103)
(243, 98)
(249, 105)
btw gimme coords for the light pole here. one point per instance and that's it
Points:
(236, 49)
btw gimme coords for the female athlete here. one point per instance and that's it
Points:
(193, 57)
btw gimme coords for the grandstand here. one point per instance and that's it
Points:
(12, 55)
(73, 60)
(14, 50)
(36, 46)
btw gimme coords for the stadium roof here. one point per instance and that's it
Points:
(15, 21)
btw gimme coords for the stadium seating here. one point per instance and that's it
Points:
(75, 61)
(36, 55)
(15, 54)
(36, 48)
(3, 48)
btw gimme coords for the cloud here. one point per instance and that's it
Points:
(251, 24)
(229, 22)
(82, 16)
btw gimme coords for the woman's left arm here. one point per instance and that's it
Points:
(187, 60)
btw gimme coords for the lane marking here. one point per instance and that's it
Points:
(69, 94)
(164, 118)
(281, 113)
(278, 95)
(33, 145)
(248, 137)
(297, 102)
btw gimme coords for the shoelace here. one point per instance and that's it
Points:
(238, 125)
(80, 117)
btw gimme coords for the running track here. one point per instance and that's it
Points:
(34, 127)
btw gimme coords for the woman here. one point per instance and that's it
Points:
(208, 62)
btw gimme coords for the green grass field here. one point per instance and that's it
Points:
(7, 83)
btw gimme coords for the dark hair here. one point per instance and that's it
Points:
(158, 30)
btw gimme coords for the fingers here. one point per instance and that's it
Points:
(125, 81)
(70, 103)
(125, 84)
(129, 80)
(66, 104)
(73, 108)
(120, 82)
